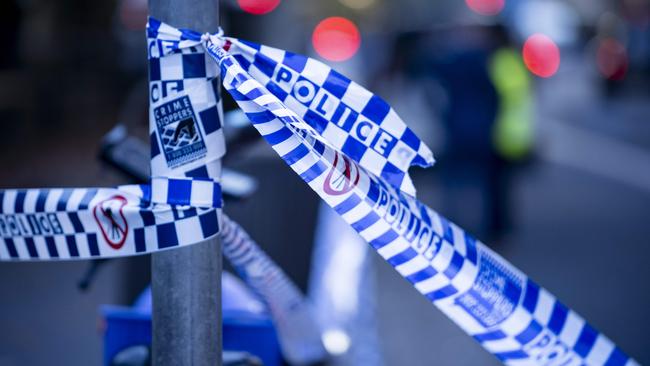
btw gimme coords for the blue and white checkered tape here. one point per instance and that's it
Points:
(181, 205)
(298, 331)
(498, 305)
(355, 121)
(185, 112)
(90, 223)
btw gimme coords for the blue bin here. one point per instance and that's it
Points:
(247, 325)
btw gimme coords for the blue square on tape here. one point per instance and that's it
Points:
(243, 62)
(411, 139)
(139, 238)
(154, 69)
(393, 174)
(316, 121)
(167, 236)
(265, 64)
(200, 172)
(295, 61)
(179, 134)
(336, 84)
(194, 65)
(210, 119)
(148, 218)
(179, 191)
(155, 149)
(209, 223)
(276, 90)
(376, 109)
(558, 317)
(354, 149)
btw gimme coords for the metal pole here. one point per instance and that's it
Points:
(186, 282)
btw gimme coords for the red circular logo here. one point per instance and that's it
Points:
(337, 182)
(111, 221)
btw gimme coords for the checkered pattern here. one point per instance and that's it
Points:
(541, 325)
(354, 120)
(169, 40)
(180, 71)
(74, 223)
(195, 192)
(485, 295)
(181, 207)
(300, 336)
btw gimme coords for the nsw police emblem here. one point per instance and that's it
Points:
(179, 133)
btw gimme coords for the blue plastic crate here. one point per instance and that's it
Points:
(247, 325)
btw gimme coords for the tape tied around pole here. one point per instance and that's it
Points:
(92, 223)
(185, 114)
(180, 207)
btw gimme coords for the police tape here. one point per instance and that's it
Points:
(180, 207)
(354, 121)
(495, 303)
(347, 144)
(185, 110)
(292, 313)
(184, 87)
(350, 118)
(92, 223)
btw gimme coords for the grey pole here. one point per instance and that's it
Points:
(186, 282)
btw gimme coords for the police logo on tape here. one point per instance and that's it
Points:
(341, 181)
(179, 132)
(110, 218)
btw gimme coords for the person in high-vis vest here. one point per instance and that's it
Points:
(512, 134)
(513, 129)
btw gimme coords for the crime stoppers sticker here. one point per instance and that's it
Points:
(179, 133)
(111, 221)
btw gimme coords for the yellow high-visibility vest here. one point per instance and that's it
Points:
(513, 132)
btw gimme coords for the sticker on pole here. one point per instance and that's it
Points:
(179, 133)
(111, 221)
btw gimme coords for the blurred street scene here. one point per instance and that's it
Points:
(538, 113)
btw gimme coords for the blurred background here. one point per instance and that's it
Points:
(538, 112)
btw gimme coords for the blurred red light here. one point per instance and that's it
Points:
(258, 7)
(612, 59)
(133, 14)
(486, 7)
(336, 39)
(541, 55)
